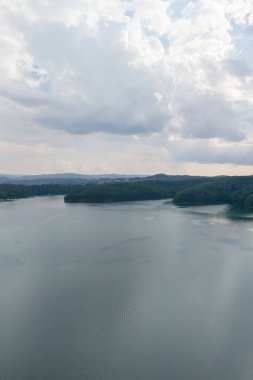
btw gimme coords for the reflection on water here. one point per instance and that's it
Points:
(125, 291)
(239, 213)
(220, 213)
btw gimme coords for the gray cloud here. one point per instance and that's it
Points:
(93, 86)
(203, 152)
(208, 115)
(177, 68)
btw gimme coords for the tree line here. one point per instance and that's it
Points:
(190, 191)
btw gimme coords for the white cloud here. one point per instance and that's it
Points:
(176, 68)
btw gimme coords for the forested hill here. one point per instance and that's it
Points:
(185, 192)
(114, 191)
(131, 191)
(231, 190)
(11, 191)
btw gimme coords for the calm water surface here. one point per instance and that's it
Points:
(141, 291)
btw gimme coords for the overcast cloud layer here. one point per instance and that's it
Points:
(126, 86)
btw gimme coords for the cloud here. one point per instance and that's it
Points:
(85, 79)
(141, 67)
(213, 151)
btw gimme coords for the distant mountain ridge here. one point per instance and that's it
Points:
(173, 177)
(62, 178)
(75, 178)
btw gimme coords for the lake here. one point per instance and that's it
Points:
(131, 291)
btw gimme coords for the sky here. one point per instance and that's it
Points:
(126, 86)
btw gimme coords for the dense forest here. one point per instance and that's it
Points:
(236, 191)
(11, 191)
(185, 191)
(130, 191)
(193, 191)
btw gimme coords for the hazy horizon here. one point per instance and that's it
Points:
(112, 174)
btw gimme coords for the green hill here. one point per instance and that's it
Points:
(130, 191)
(11, 191)
(231, 190)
